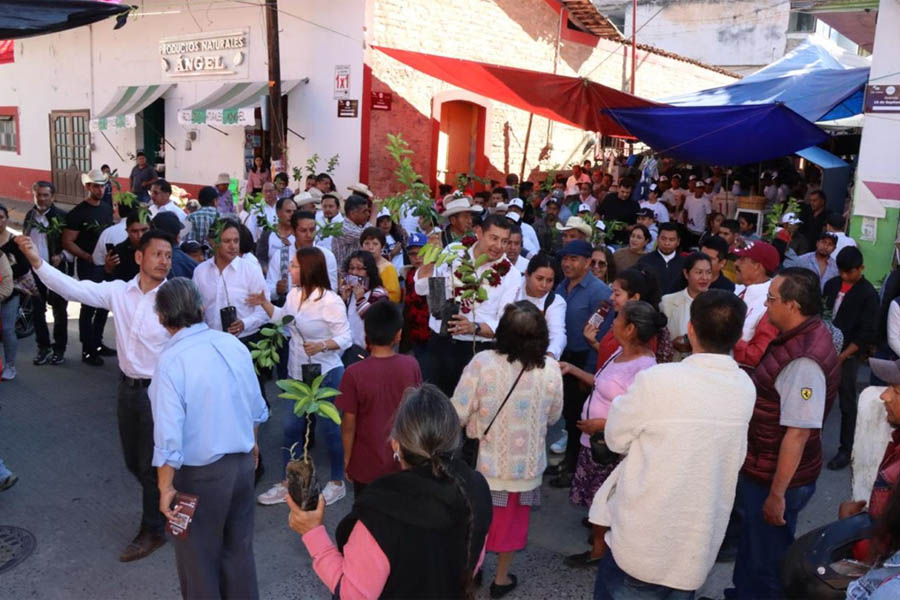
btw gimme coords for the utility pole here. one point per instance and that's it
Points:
(276, 112)
(633, 41)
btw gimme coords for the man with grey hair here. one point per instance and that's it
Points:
(206, 410)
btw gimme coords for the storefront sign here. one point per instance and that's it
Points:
(883, 98)
(382, 100)
(209, 54)
(341, 81)
(348, 109)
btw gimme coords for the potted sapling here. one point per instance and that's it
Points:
(302, 484)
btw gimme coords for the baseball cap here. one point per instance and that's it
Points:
(663, 178)
(516, 203)
(417, 240)
(168, 222)
(577, 248)
(193, 246)
(762, 252)
(886, 370)
(790, 218)
(584, 208)
(653, 186)
(645, 212)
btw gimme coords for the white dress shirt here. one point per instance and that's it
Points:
(40, 239)
(754, 296)
(274, 268)
(487, 312)
(555, 316)
(321, 221)
(230, 287)
(139, 335)
(529, 239)
(317, 319)
(167, 207)
(249, 219)
(114, 234)
(843, 240)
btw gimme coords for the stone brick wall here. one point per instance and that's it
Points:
(518, 33)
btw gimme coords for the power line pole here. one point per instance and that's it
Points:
(276, 112)
(633, 41)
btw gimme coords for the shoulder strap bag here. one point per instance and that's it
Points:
(470, 446)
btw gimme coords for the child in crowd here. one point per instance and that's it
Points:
(371, 391)
(415, 307)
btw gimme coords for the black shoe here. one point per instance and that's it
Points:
(586, 523)
(557, 469)
(57, 359)
(92, 359)
(581, 560)
(562, 481)
(43, 356)
(840, 461)
(498, 591)
(103, 350)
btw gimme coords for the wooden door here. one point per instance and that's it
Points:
(457, 140)
(70, 153)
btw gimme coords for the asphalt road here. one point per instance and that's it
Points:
(58, 432)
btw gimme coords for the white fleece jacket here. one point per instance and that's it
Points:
(683, 430)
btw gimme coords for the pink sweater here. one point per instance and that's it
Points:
(362, 570)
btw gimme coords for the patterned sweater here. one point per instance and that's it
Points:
(513, 455)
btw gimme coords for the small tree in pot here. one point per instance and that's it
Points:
(309, 399)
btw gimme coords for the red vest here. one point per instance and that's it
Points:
(811, 340)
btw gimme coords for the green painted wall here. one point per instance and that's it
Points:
(878, 256)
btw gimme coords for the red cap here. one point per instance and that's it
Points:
(762, 252)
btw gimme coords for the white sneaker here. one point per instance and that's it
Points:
(334, 492)
(276, 495)
(8, 373)
(559, 446)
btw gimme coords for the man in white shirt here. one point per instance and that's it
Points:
(834, 224)
(514, 248)
(329, 213)
(114, 234)
(677, 306)
(530, 241)
(161, 200)
(652, 202)
(447, 356)
(697, 207)
(225, 281)
(140, 338)
(268, 213)
(304, 225)
(537, 288)
(756, 263)
(667, 502)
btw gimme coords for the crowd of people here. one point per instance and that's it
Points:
(692, 358)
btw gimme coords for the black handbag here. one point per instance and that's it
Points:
(470, 445)
(600, 452)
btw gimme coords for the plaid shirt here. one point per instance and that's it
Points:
(201, 221)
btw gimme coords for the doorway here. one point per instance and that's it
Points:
(153, 135)
(70, 153)
(459, 135)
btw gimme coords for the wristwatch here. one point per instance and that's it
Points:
(477, 329)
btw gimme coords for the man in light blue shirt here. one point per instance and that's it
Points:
(821, 261)
(206, 409)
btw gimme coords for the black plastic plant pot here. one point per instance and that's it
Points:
(303, 486)
(309, 372)
(437, 295)
(450, 308)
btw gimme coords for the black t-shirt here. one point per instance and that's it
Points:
(89, 220)
(614, 209)
(127, 268)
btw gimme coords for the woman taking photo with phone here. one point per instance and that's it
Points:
(361, 287)
(319, 335)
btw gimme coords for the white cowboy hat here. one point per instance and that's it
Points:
(575, 223)
(460, 205)
(361, 189)
(501, 206)
(94, 176)
(316, 193)
(223, 179)
(303, 198)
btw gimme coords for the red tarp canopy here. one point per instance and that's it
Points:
(570, 100)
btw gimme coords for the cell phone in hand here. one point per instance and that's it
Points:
(599, 315)
(110, 248)
(228, 315)
(353, 280)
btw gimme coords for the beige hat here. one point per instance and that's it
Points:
(316, 193)
(223, 179)
(94, 176)
(361, 189)
(576, 223)
(460, 205)
(303, 198)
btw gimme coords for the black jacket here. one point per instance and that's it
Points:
(420, 524)
(669, 275)
(54, 242)
(857, 317)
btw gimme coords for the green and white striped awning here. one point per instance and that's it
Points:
(232, 104)
(128, 101)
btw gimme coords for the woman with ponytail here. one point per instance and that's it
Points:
(419, 533)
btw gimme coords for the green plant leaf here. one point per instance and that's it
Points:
(481, 260)
(267, 332)
(286, 384)
(289, 396)
(327, 409)
(327, 392)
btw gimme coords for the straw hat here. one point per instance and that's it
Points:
(575, 223)
(460, 205)
(303, 198)
(223, 179)
(361, 189)
(94, 176)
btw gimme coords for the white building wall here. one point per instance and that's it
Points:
(55, 72)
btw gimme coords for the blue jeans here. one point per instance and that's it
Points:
(615, 584)
(8, 312)
(295, 431)
(761, 550)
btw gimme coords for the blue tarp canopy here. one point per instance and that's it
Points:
(823, 158)
(720, 135)
(815, 81)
